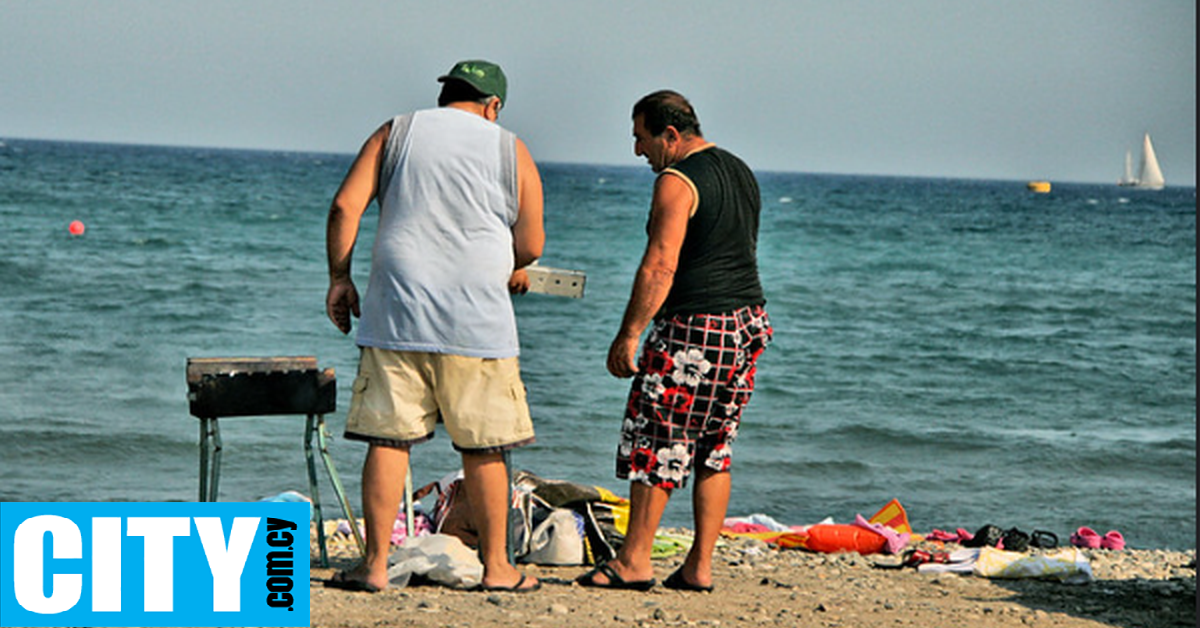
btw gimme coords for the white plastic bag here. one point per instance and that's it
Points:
(442, 558)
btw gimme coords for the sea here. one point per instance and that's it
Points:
(981, 353)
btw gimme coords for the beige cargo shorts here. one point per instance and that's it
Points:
(399, 397)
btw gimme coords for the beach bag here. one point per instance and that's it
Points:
(599, 519)
(451, 511)
(602, 515)
(611, 513)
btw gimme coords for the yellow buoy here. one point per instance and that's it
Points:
(1041, 187)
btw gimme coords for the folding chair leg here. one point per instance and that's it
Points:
(409, 524)
(337, 486)
(314, 490)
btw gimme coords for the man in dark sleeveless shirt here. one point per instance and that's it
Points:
(698, 289)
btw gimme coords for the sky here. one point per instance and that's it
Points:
(1012, 90)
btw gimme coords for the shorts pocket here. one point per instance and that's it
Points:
(517, 390)
(357, 401)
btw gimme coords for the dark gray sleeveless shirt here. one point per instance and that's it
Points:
(718, 266)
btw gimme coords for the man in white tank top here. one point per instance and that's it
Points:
(460, 213)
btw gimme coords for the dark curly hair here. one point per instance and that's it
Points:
(666, 108)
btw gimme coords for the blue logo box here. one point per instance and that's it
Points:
(154, 564)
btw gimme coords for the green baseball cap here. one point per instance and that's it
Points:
(485, 76)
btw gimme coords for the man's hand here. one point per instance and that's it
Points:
(622, 356)
(518, 283)
(340, 302)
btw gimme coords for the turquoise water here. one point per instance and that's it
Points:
(981, 353)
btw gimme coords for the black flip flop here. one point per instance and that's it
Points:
(676, 581)
(341, 581)
(1043, 540)
(1016, 540)
(614, 581)
(516, 588)
(987, 536)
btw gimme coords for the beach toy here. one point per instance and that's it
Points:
(76, 228)
(893, 541)
(893, 516)
(830, 538)
(862, 536)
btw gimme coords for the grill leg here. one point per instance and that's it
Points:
(313, 489)
(215, 481)
(210, 459)
(204, 445)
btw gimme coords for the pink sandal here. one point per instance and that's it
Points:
(1086, 537)
(941, 535)
(1113, 541)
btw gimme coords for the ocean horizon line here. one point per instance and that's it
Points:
(551, 162)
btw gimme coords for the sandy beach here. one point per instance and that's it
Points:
(758, 585)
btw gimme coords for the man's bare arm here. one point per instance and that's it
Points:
(529, 235)
(670, 209)
(341, 228)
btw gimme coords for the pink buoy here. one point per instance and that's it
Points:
(76, 228)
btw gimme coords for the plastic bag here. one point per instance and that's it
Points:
(1068, 565)
(442, 558)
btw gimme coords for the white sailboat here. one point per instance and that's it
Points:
(1150, 176)
(1127, 179)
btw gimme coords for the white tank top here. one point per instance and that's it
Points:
(443, 252)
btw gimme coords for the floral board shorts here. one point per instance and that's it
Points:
(695, 376)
